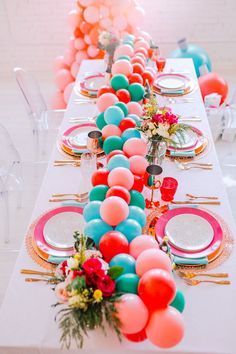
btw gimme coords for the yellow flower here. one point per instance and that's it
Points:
(77, 301)
(77, 256)
(97, 295)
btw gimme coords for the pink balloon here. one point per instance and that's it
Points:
(138, 165)
(142, 243)
(141, 44)
(63, 78)
(122, 67)
(57, 101)
(120, 23)
(59, 63)
(106, 100)
(136, 16)
(71, 44)
(86, 3)
(132, 313)
(67, 92)
(79, 43)
(91, 14)
(81, 55)
(146, 36)
(152, 259)
(110, 130)
(92, 51)
(87, 39)
(106, 23)
(74, 69)
(135, 146)
(74, 18)
(69, 57)
(104, 11)
(165, 328)
(121, 176)
(135, 108)
(114, 210)
(123, 49)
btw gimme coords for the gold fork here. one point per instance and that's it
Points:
(196, 282)
(78, 195)
(58, 200)
(37, 272)
(193, 202)
(190, 196)
(192, 275)
(34, 280)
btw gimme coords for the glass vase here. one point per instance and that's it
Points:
(156, 152)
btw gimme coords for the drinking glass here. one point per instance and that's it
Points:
(160, 64)
(168, 188)
(152, 181)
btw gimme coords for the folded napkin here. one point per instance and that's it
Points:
(172, 91)
(190, 261)
(79, 204)
(56, 260)
(76, 151)
(174, 206)
(178, 153)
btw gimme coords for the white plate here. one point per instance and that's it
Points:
(189, 232)
(94, 83)
(185, 139)
(58, 230)
(79, 137)
(172, 81)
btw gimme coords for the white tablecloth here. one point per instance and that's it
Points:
(27, 323)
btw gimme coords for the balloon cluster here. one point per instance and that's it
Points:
(151, 305)
(88, 19)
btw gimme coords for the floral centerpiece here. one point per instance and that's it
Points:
(86, 288)
(108, 42)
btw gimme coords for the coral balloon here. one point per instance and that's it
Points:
(59, 63)
(85, 27)
(123, 95)
(79, 43)
(119, 191)
(105, 89)
(114, 210)
(94, 34)
(113, 243)
(141, 44)
(132, 313)
(213, 83)
(138, 184)
(106, 100)
(80, 56)
(57, 101)
(138, 60)
(135, 108)
(74, 18)
(148, 76)
(142, 51)
(113, 153)
(91, 14)
(142, 243)
(86, 3)
(67, 92)
(123, 49)
(74, 69)
(152, 259)
(135, 78)
(110, 130)
(92, 51)
(136, 337)
(100, 177)
(122, 67)
(121, 176)
(165, 328)
(136, 16)
(156, 288)
(138, 164)
(62, 78)
(119, 23)
(127, 123)
(87, 39)
(135, 146)
(138, 68)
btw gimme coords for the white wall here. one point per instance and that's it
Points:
(33, 32)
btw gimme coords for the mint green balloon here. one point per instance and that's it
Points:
(130, 133)
(137, 199)
(130, 228)
(137, 214)
(95, 229)
(112, 143)
(130, 43)
(136, 91)
(123, 106)
(92, 210)
(98, 192)
(119, 81)
(125, 261)
(118, 161)
(125, 57)
(179, 301)
(127, 283)
(100, 121)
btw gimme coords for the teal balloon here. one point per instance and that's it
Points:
(136, 91)
(123, 106)
(129, 37)
(125, 261)
(138, 214)
(127, 283)
(113, 115)
(199, 56)
(129, 43)
(137, 199)
(136, 119)
(92, 210)
(125, 57)
(119, 81)
(130, 133)
(112, 143)
(98, 192)
(100, 122)
(179, 301)
(130, 228)
(118, 161)
(95, 229)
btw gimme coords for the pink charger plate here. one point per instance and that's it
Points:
(84, 83)
(39, 228)
(66, 142)
(211, 248)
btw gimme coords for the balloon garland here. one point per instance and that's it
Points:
(151, 305)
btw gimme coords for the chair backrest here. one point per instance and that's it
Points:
(30, 90)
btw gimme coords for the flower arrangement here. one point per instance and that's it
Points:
(86, 286)
(108, 42)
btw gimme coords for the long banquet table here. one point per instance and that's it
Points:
(27, 323)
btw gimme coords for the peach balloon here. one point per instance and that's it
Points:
(67, 92)
(62, 78)
(135, 146)
(121, 176)
(71, 44)
(81, 55)
(122, 67)
(59, 63)
(152, 259)
(132, 313)
(74, 69)
(69, 57)
(57, 101)
(106, 23)
(91, 14)
(92, 51)
(74, 18)
(87, 39)
(136, 16)
(94, 34)
(104, 11)
(106, 100)
(114, 210)
(120, 23)
(123, 49)
(142, 243)
(146, 36)
(138, 165)
(79, 43)
(110, 130)
(135, 108)
(86, 3)
(165, 328)
(141, 44)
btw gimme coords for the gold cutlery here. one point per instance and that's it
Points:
(196, 166)
(34, 280)
(190, 119)
(77, 195)
(37, 272)
(194, 163)
(193, 202)
(57, 200)
(66, 161)
(72, 163)
(193, 275)
(190, 165)
(190, 196)
(196, 282)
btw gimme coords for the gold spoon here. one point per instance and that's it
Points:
(195, 197)
(196, 282)
(192, 275)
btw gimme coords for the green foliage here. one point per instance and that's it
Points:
(115, 272)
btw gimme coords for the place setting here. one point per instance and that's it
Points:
(89, 86)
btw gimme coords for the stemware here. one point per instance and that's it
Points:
(160, 64)
(152, 181)
(168, 188)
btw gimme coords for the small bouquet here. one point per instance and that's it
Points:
(86, 288)
(108, 42)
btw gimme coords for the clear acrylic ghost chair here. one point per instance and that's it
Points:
(42, 119)
(10, 179)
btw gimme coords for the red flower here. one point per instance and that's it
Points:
(92, 264)
(93, 277)
(63, 267)
(106, 285)
(75, 273)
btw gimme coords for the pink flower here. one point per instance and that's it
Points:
(106, 285)
(92, 264)
(61, 293)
